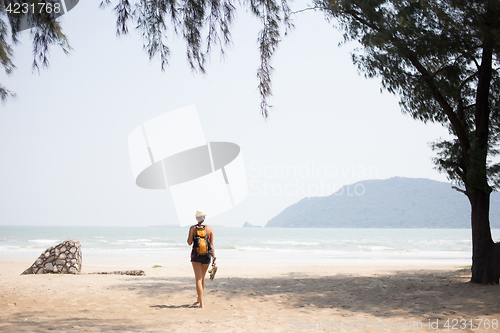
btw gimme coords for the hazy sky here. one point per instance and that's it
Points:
(63, 141)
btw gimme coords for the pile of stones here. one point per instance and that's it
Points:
(135, 272)
(64, 258)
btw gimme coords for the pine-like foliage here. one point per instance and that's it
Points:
(430, 53)
(442, 59)
(45, 32)
(203, 25)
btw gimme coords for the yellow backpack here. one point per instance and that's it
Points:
(201, 240)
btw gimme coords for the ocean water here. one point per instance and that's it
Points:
(266, 246)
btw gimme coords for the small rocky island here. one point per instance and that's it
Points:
(248, 225)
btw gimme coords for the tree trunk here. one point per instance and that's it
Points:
(485, 253)
(485, 262)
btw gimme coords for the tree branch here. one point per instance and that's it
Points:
(448, 110)
(361, 20)
(305, 9)
(459, 190)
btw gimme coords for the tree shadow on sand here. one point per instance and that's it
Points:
(417, 293)
(183, 306)
(38, 322)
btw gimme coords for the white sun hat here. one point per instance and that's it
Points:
(200, 213)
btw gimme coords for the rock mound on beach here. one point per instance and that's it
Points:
(135, 272)
(64, 258)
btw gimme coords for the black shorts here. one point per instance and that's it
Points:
(203, 259)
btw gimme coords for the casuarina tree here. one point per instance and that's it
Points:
(441, 58)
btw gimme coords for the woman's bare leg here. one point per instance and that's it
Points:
(200, 271)
(204, 269)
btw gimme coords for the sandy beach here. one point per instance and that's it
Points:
(247, 299)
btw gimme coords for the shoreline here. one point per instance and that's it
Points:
(249, 260)
(183, 267)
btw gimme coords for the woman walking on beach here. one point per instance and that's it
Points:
(201, 237)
